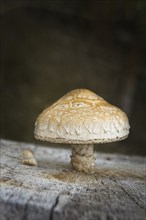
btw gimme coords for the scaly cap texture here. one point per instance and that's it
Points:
(81, 117)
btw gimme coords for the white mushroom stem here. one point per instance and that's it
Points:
(82, 158)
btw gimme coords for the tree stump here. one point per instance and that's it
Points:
(53, 190)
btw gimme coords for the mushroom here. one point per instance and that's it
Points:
(82, 118)
(28, 158)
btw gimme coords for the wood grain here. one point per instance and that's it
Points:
(52, 190)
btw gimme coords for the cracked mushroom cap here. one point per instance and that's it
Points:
(81, 117)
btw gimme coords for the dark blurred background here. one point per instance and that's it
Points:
(51, 47)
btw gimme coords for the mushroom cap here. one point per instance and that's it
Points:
(81, 117)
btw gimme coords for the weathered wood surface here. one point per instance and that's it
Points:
(52, 190)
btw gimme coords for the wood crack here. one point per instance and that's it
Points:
(53, 208)
(26, 209)
(132, 198)
(128, 194)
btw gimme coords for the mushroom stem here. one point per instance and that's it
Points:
(82, 158)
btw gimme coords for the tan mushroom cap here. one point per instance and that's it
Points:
(81, 117)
